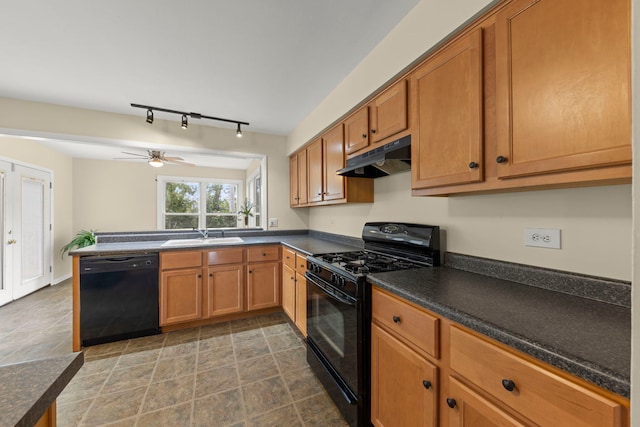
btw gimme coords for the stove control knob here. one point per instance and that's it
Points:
(342, 282)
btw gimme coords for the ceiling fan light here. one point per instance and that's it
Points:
(184, 121)
(150, 116)
(239, 131)
(156, 163)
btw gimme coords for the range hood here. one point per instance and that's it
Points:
(391, 158)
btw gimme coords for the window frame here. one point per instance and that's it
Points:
(162, 180)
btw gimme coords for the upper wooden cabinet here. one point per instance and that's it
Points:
(356, 131)
(325, 156)
(447, 132)
(563, 85)
(385, 116)
(298, 178)
(388, 112)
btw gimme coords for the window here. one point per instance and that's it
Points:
(254, 190)
(187, 203)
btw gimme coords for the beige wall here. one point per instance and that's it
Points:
(595, 222)
(122, 196)
(32, 153)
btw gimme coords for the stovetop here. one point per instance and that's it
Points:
(364, 262)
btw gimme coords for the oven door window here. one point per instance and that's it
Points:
(332, 325)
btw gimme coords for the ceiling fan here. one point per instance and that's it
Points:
(155, 158)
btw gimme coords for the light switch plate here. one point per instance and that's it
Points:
(542, 237)
(273, 222)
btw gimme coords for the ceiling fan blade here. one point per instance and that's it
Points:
(135, 154)
(179, 162)
(173, 158)
(128, 158)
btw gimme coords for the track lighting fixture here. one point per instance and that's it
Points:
(185, 116)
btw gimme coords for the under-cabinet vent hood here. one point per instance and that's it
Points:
(391, 158)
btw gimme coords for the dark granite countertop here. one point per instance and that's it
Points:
(307, 244)
(27, 389)
(587, 338)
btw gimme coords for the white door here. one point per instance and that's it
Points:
(6, 291)
(27, 252)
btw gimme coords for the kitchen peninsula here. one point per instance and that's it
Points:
(545, 315)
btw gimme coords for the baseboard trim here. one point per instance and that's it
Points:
(61, 279)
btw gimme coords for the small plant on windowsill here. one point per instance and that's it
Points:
(80, 240)
(245, 211)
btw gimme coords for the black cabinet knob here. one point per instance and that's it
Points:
(210, 274)
(250, 271)
(373, 131)
(364, 135)
(426, 384)
(473, 165)
(501, 159)
(396, 319)
(508, 385)
(199, 276)
(451, 403)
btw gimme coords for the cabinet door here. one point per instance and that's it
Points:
(388, 112)
(333, 154)
(294, 190)
(563, 85)
(263, 285)
(467, 409)
(314, 171)
(447, 135)
(289, 292)
(301, 303)
(180, 296)
(303, 190)
(403, 384)
(224, 292)
(356, 131)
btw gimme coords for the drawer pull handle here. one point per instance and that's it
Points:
(508, 385)
(396, 319)
(451, 403)
(426, 384)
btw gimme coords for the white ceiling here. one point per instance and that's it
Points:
(267, 62)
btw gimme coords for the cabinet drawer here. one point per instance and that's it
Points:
(416, 326)
(263, 253)
(224, 256)
(539, 395)
(180, 259)
(301, 263)
(289, 258)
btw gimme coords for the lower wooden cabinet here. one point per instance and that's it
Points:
(263, 285)
(180, 295)
(474, 381)
(204, 284)
(404, 390)
(224, 292)
(294, 287)
(469, 409)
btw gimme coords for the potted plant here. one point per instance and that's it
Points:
(245, 210)
(81, 239)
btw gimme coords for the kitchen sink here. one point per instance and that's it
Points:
(200, 242)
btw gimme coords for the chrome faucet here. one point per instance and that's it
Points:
(204, 233)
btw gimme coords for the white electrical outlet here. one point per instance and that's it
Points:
(273, 222)
(542, 237)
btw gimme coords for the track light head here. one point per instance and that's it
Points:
(184, 122)
(239, 131)
(150, 116)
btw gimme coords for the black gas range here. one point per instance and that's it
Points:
(339, 307)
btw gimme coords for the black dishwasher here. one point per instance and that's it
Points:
(118, 297)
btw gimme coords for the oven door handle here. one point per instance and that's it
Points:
(330, 294)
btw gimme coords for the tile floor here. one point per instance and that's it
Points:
(250, 372)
